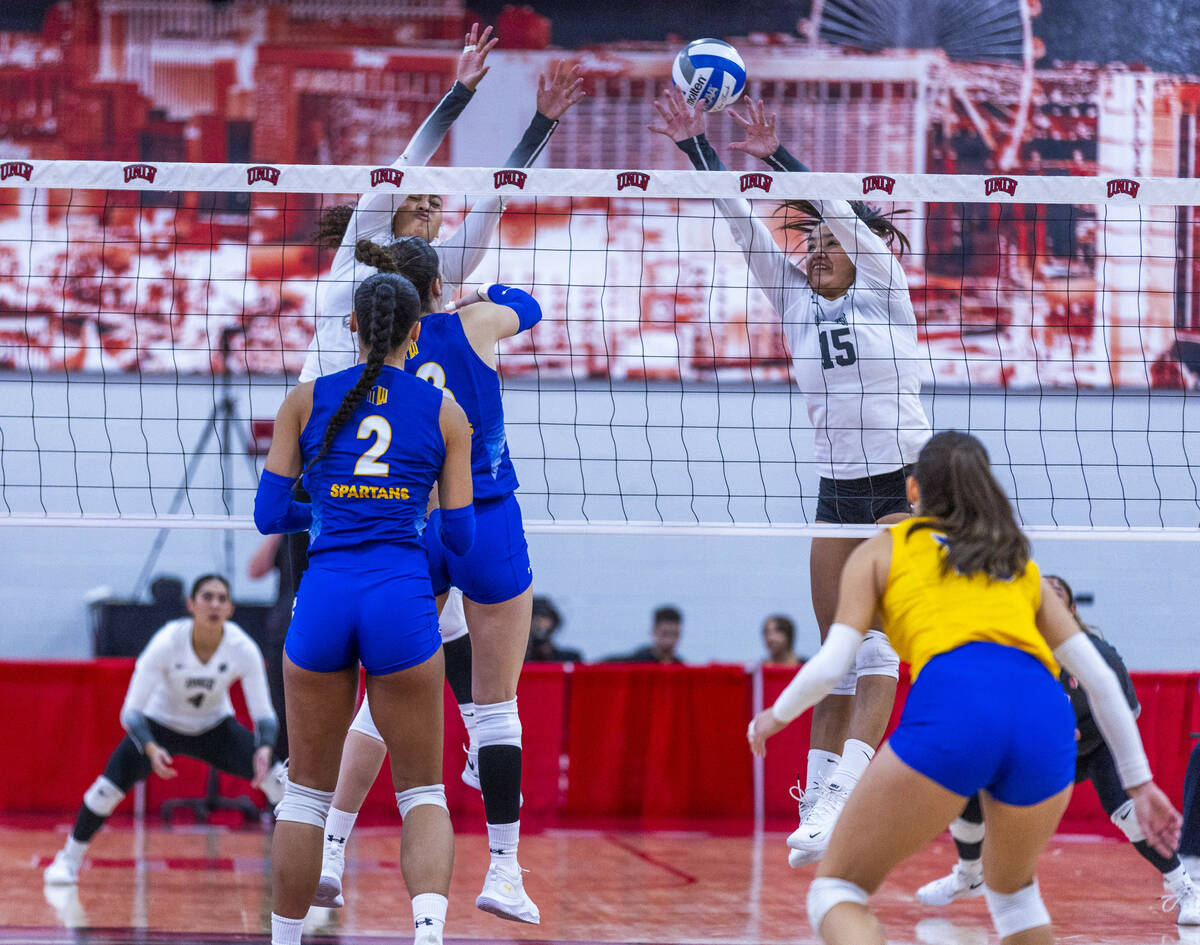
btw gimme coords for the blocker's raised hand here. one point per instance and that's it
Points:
(471, 68)
(761, 140)
(675, 119)
(560, 87)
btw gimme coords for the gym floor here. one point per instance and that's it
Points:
(199, 884)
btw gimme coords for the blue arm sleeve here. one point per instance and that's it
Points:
(781, 160)
(275, 510)
(457, 529)
(529, 313)
(701, 153)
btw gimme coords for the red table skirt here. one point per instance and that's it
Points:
(601, 741)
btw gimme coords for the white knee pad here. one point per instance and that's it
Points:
(1126, 818)
(432, 794)
(497, 724)
(1017, 912)
(846, 686)
(304, 805)
(452, 621)
(825, 892)
(103, 797)
(876, 657)
(965, 831)
(364, 724)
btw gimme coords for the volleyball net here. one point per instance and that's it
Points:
(153, 316)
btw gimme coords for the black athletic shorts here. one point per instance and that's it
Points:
(227, 746)
(863, 501)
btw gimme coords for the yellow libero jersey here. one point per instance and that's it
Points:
(926, 612)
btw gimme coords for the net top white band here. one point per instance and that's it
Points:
(555, 182)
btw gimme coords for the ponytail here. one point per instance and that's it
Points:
(959, 491)
(411, 257)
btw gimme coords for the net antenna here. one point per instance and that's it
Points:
(969, 32)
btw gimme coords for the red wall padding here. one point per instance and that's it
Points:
(606, 740)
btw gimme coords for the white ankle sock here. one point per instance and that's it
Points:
(429, 909)
(973, 868)
(75, 849)
(467, 711)
(856, 756)
(285, 931)
(821, 764)
(502, 842)
(339, 823)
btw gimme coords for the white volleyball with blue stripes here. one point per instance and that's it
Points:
(710, 72)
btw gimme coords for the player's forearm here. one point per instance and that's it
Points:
(533, 142)
(138, 727)
(276, 511)
(429, 136)
(782, 160)
(701, 153)
(266, 730)
(819, 675)
(1082, 660)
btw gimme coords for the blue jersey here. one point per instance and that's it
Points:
(444, 357)
(370, 491)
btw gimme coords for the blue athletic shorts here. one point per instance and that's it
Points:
(496, 568)
(387, 618)
(990, 717)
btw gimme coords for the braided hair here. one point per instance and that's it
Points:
(800, 216)
(411, 257)
(387, 306)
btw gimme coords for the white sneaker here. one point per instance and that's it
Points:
(504, 896)
(806, 801)
(811, 838)
(64, 900)
(275, 784)
(63, 871)
(959, 884)
(1187, 898)
(333, 864)
(470, 775)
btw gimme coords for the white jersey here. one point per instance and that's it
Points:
(855, 358)
(334, 347)
(171, 686)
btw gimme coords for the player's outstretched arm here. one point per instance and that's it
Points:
(559, 88)
(772, 270)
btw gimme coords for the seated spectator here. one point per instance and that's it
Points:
(546, 620)
(779, 637)
(664, 636)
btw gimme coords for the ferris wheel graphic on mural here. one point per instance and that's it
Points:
(989, 44)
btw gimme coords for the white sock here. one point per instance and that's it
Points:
(339, 823)
(285, 931)
(429, 909)
(502, 842)
(856, 756)
(821, 764)
(467, 711)
(973, 868)
(75, 849)
(1176, 879)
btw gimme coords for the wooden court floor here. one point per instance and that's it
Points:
(211, 885)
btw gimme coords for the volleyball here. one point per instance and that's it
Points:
(710, 72)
